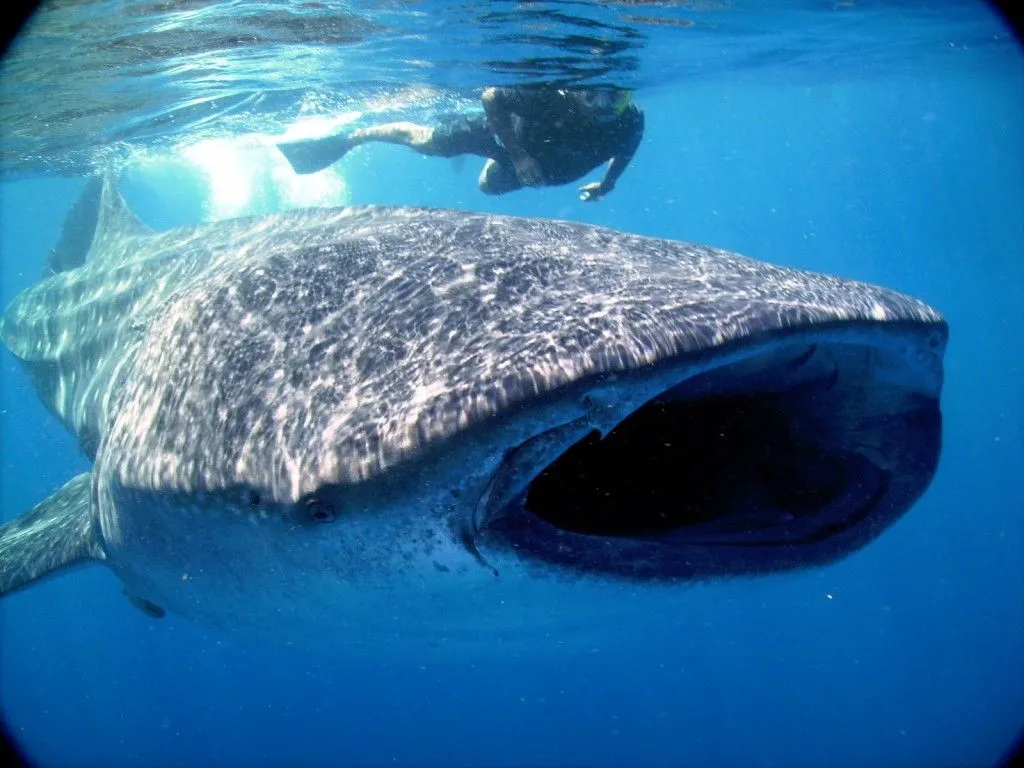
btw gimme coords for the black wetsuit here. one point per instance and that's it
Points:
(566, 141)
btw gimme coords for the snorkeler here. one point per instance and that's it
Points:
(531, 136)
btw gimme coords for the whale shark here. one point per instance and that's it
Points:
(347, 418)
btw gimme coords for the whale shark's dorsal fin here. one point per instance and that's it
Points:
(79, 229)
(53, 535)
(115, 218)
(99, 214)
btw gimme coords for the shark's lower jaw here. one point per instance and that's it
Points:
(794, 456)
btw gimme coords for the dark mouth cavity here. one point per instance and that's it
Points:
(742, 468)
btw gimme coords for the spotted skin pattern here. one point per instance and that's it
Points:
(233, 370)
(327, 346)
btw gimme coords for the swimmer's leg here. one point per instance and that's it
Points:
(312, 155)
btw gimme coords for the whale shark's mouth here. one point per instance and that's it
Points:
(794, 456)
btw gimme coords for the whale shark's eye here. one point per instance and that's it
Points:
(318, 510)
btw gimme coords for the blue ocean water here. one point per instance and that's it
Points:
(861, 155)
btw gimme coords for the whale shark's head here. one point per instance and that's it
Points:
(443, 399)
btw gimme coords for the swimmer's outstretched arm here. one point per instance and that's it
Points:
(598, 189)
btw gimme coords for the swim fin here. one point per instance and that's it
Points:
(312, 155)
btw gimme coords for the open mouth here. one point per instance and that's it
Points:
(795, 456)
(718, 470)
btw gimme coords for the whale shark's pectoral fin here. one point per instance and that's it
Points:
(152, 610)
(312, 155)
(53, 535)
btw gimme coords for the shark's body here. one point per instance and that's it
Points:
(352, 417)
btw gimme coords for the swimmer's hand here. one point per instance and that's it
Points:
(591, 193)
(528, 171)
